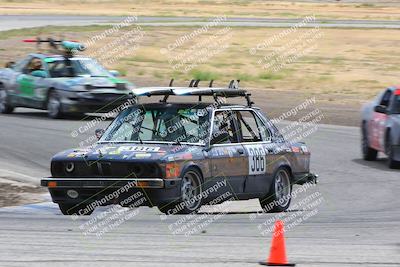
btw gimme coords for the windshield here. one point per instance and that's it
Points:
(75, 67)
(159, 124)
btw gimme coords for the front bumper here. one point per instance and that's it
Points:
(156, 190)
(96, 104)
(101, 183)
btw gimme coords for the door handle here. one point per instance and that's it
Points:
(240, 151)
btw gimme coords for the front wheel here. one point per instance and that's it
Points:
(5, 107)
(54, 108)
(369, 153)
(279, 196)
(190, 199)
(393, 164)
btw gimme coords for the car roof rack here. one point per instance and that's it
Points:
(66, 48)
(232, 90)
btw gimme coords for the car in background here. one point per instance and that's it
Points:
(181, 156)
(380, 127)
(62, 84)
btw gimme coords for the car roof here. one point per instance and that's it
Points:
(393, 88)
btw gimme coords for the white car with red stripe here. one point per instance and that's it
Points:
(381, 127)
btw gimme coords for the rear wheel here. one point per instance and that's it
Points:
(393, 164)
(279, 196)
(5, 107)
(54, 106)
(369, 153)
(190, 200)
(74, 209)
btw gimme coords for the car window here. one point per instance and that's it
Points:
(161, 124)
(248, 127)
(396, 102)
(223, 129)
(34, 64)
(264, 131)
(21, 65)
(57, 69)
(385, 101)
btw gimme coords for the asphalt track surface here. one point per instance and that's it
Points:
(10, 22)
(355, 222)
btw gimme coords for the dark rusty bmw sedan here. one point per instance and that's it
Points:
(181, 156)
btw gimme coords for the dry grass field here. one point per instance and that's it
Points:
(346, 67)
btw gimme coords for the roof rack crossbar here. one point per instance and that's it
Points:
(191, 83)
(171, 82)
(211, 83)
(249, 102)
(196, 83)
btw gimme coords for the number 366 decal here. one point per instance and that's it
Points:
(257, 159)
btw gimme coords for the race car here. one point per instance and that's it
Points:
(62, 83)
(182, 155)
(380, 127)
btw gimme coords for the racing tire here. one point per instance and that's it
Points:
(280, 194)
(73, 209)
(368, 153)
(5, 106)
(54, 106)
(393, 164)
(190, 198)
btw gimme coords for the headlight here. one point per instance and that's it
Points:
(70, 167)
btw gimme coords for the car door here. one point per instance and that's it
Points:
(31, 90)
(228, 158)
(256, 140)
(377, 123)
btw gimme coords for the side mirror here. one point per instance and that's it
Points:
(39, 73)
(115, 73)
(380, 109)
(99, 133)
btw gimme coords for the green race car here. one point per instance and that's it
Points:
(62, 85)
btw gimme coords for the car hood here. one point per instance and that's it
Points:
(132, 152)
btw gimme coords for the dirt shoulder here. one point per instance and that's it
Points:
(16, 193)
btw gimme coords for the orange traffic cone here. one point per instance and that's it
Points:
(277, 256)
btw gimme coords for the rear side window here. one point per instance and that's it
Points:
(251, 128)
